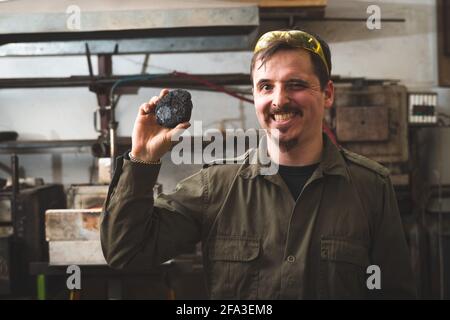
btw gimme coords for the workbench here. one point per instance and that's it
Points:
(176, 279)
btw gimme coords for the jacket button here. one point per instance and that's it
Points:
(291, 259)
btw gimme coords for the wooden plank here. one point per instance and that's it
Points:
(362, 124)
(443, 34)
(76, 252)
(393, 97)
(285, 3)
(72, 224)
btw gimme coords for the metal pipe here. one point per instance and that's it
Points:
(89, 61)
(113, 142)
(15, 185)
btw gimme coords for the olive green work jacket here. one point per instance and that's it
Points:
(258, 242)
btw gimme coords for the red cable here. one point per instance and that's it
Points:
(211, 85)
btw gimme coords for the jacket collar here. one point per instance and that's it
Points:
(332, 163)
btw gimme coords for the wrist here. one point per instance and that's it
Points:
(142, 160)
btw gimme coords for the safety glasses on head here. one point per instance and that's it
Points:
(296, 38)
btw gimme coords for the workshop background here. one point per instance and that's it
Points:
(392, 105)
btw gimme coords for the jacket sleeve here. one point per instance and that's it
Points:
(138, 231)
(390, 251)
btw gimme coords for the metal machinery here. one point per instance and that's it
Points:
(383, 121)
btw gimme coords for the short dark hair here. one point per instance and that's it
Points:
(319, 68)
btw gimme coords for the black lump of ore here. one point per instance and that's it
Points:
(174, 108)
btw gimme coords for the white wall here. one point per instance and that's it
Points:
(400, 50)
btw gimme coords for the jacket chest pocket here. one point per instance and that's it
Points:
(343, 267)
(233, 268)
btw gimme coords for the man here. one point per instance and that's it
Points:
(308, 232)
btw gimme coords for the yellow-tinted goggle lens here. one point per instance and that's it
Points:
(296, 38)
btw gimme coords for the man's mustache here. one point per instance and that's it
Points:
(286, 109)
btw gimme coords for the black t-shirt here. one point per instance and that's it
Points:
(296, 177)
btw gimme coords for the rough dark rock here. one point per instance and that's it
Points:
(174, 108)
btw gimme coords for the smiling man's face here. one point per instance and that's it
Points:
(288, 96)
